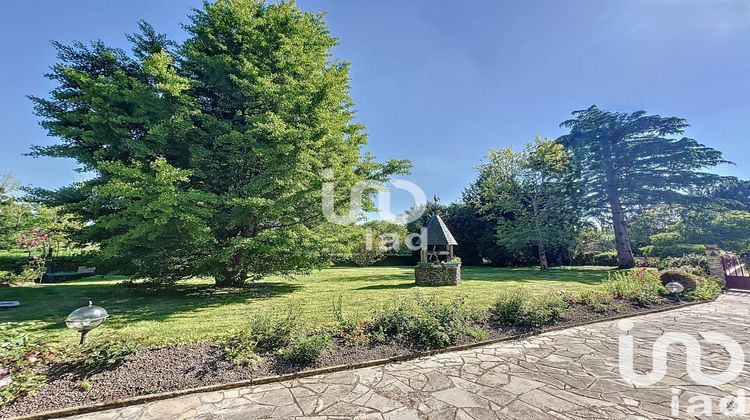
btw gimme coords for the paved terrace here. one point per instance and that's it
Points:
(569, 374)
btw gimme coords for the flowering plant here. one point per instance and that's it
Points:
(33, 238)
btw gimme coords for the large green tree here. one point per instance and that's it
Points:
(633, 160)
(530, 197)
(207, 156)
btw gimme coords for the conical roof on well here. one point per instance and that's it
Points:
(438, 233)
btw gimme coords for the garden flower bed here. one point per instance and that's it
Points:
(273, 346)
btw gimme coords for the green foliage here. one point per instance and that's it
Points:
(529, 197)
(706, 289)
(476, 333)
(265, 333)
(20, 355)
(305, 349)
(367, 253)
(687, 280)
(241, 349)
(671, 244)
(522, 308)
(85, 385)
(26, 382)
(590, 240)
(598, 300)
(650, 221)
(272, 333)
(17, 262)
(728, 229)
(207, 156)
(350, 330)
(425, 322)
(639, 286)
(689, 262)
(106, 354)
(634, 160)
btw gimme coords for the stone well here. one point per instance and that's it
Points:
(428, 274)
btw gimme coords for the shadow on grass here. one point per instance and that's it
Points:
(51, 303)
(388, 286)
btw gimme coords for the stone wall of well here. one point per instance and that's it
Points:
(437, 275)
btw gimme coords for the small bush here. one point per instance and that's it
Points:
(606, 259)
(20, 354)
(349, 330)
(241, 349)
(427, 322)
(598, 300)
(706, 289)
(641, 286)
(687, 280)
(476, 333)
(271, 334)
(305, 349)
(524, 309)
(85, 385)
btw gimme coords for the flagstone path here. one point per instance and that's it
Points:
(568, 374)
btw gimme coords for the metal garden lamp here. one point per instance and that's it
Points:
(675, 289)
(86, 319)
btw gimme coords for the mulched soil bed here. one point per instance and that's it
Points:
(189, 366)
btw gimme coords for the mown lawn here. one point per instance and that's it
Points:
(195, 311)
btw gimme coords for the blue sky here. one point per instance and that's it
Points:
(442, 82)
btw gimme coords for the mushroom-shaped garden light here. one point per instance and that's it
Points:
(86, 319)
(675, 289)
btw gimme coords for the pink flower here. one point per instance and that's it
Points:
(6, 381)
(4, 372)
(32, 357)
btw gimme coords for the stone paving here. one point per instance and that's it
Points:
(568, 374)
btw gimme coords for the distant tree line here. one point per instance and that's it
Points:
(206, 159)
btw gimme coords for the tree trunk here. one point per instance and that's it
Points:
(232, 278)
(543, 256)
(622, 234)
(540, 241)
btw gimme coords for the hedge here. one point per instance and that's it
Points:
(65, 263)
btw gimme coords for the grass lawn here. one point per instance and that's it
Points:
(197, 312)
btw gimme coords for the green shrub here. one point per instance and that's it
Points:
(349, 330)
(687, 280)
(241, 349)
(706, 289)
(13, 262)
(665, 245)
(477, 333)
(271, 334)
(640, 286)
(20, 353)
(16, 262)
(524, 309)
(106, 354)
(598, 300)
(694, 263)
(427, 322)
(305, 349)
(606, 259)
